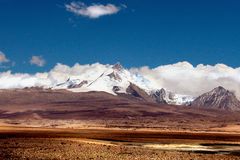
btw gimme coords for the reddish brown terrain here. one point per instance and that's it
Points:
(108, 110)
(47, 124)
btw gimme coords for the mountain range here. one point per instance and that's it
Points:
(120, 82)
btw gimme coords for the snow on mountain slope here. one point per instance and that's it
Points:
(114, 76)
(115, 80)
(167, 97)
(75, 83)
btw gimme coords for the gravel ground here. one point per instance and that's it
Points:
(64, 149)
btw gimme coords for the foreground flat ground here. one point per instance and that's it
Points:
(40, 143)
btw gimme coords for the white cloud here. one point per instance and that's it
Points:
(60, 73)
(184, 78)
(21, 80)
(92, 11)
(3, 58)
(37, 60)
(181, 77)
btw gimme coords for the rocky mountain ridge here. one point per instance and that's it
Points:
(218, 98)
(118, 81)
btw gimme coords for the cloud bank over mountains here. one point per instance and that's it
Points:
(184, 78)
(181, 77)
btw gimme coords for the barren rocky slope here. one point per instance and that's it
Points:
(218, 98)
(106, 109)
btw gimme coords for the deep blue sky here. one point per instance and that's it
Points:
(147, 32)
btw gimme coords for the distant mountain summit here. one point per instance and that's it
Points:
(117, 67)
(117, 70)
(160, 96)
(117, 80)
(163, 96)
(121, 82)
(114, 80)
(218, 98)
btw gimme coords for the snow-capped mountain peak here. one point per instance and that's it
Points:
(116, 79)
(117, 67)
(105, 81)
(167, 97)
